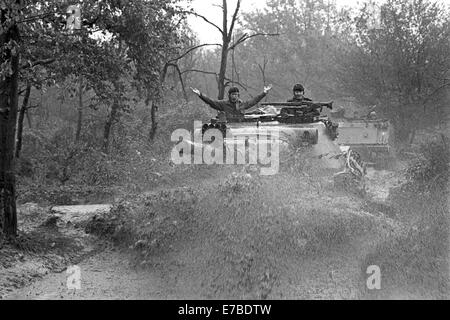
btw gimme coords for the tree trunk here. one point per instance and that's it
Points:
(80, 112)
(412, 136)
(223, 69)
(154, 127)
(28, 118)
(8, 117)
(22, 111)
(108, 126)
(226, 38)
(79, 125)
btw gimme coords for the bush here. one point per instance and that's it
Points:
(52, 157)
(148, 223)
(417, 261)
(432, 167)
(238, 237)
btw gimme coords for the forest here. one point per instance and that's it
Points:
(91, 91)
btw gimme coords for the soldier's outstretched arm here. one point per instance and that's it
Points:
(212, 103)
(257, 99)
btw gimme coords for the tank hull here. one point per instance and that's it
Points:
(239, 139)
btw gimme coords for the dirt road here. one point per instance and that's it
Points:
(224, 258)
(110, 275)
(107, 275)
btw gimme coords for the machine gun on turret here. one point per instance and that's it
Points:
(299, 112)
(311, 105)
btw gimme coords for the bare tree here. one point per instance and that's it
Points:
(228, 43)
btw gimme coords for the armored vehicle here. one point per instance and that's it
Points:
(293, 125)
(296, 127)
(303, 120)
(370, 136)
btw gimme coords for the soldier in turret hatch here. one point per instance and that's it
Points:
(299, 94)
(233, 107)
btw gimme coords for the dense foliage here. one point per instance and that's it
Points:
(96, 106)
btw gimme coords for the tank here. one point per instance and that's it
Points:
(302, 133)
(299, 127)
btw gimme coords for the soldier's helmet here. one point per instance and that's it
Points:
(298, 87)
(373, 115)
(233, 90)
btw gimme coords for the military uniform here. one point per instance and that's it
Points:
(232, 110)
(307, 109)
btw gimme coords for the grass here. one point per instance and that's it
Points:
(249, 229)
(416, 261)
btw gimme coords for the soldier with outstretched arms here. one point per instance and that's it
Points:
(233, 107)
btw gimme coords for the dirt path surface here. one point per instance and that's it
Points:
(265, 242)
(107, 275)
(110, 275)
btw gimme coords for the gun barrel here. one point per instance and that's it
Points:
(312, 104)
